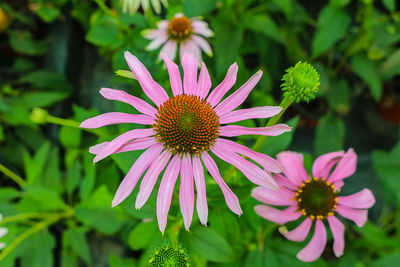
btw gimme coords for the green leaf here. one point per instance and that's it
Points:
(46, 198)
(391, 66)
(207, 243)
(332, 26)
(22, 42)
(338, 95)
(193, 8)
(73, 177)
(70, 137)
(143, 235)
(390, 5)
(89, 178)
(78, 243)
(41, 99)
(285, 5)
(45, 79)
(366, 70)
(387, 261)
(118, 261)
(330, 135)
(103, 34)
(40, 251)
(264, 258)
(264, 25)
(34, 166)
(48, 13)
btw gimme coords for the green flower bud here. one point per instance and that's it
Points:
(39, 116)
(170, 255)
(301, 82)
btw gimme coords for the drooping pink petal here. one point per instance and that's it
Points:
(186, 191)
(337, 229)
(299, 233)
(115, 144)
(359, 217)
(363, 199)
(239, 96)
(218, 93)
(189, 65)
(235, 130)
(150, 178)
(169, 49)
(271, 197)
(201, 27)
(203, 44)
(174, 75)
(249, 113)
(316, 246)
(201, 202)
(166, 190)
(204, 82)
(152, 89)
(268, 163)
(293, 167)
(132, 177)
(157, 42)
(255, 174)
(116, 118)
(323, 164)
(230, 198)
(119, 95)
(190, 47)
(285, 182)
(345, 168)
(138, 144)
(278, 216)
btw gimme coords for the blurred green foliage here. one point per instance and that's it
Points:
(56, 55)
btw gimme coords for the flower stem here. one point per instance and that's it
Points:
(12, 175)
(64, 122)
(36, 228)
(23, 216)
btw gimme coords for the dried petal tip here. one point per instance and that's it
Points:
(39, 116)
(301, 82)
(170, 254)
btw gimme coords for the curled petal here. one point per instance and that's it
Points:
(323, 164)
(169, 49)
(157, 42)
(201, 27)
(360, 200)
(293, 167)
(358, 216)
(235, 130)
(299, 233)
(316, 246)
(203, 44)
(345, 168)
(271, 197)
(337, 229)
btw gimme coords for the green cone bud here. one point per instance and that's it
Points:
(39, 116)
(301, 82)
(170, 255)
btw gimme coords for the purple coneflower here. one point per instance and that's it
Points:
(184, 130)
(182, 31)
(316, 199)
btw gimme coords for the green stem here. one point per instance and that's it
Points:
(60, 121)
(13, 176)
(36, 228)
(23, 217)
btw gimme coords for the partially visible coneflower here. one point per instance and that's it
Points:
(180, 31)
(185, 129)
(315, 199)
(132, 6)
(3, 232)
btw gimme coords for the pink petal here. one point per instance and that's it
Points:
(250, 170)
(345, 168)
(268, 163)
(204, 82)
(203, 44)
(190, 47)
(271, 197)
(324, 163)
(137, 144)
(166, 190)
(299, 233)
(218, 93)
(189, 65)
(358, 216)
(239, 96)
(360, 200)
(150, 178)
(201, 203)
(121, 140)
(132, 177)
(162, 24)
(337, 229)
(284, 182)
(153, 34)
(152, 89)
(249, 113)
(316, 246)
(277, 216)
(115, 118)
(169, 49)
(174, 75)
(230, 198)
(139, 104)
(293, 167)
(186, 191)
(200, 27)
(157, 42)
(235, 130)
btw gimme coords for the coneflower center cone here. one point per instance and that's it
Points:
(186, 124)
(179, 28)
(316, 198)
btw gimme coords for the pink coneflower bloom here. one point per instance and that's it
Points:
(316, 199)
(184, 129)
(182, 31)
